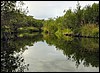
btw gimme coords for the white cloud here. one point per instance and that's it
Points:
(47, 9)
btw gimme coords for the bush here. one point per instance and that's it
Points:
(67, 31)
(90, 30)
(61, 33)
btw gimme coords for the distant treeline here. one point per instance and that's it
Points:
(81, 21)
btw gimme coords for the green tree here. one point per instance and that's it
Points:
(69, 20)
(12, 17)
(78, 13)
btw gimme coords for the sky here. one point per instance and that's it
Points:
(51, 9)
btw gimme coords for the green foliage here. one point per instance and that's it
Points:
(91, 14)
(60, 33)
(75, 21)
(67, 31)
(69, 20)
(78, 14)
(11, 14)
(90, 30)
(82, 21)
(49, 26)
(15, 17)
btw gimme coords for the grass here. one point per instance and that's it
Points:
(90, 30)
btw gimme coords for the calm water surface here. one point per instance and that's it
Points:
(49, 53)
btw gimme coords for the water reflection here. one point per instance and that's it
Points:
(78, 49)
(11, 57)
(81, 50)
(12, 49)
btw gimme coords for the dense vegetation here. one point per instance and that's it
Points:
(14, 19)
(81, 21)
(17, 31)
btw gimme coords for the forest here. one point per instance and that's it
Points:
(66, 33)
(82, 21)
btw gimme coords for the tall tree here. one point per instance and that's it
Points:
(78, 13)
(11, 16)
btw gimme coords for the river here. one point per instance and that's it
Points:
(49, 53)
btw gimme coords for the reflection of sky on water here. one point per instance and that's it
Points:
(43, 57)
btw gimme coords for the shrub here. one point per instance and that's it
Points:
(90, 30)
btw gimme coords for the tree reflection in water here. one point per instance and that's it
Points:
(80, 50)
(11, 57)
(12, 50)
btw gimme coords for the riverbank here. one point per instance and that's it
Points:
(73, 35)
